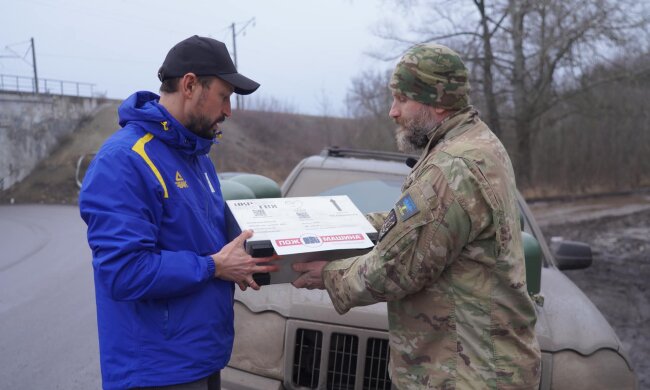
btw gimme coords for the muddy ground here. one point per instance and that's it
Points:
(618, 230)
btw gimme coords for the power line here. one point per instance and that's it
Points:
(103, 59)
(22, 57)
(240, 101)
(17, 43)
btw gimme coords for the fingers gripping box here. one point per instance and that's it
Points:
(299, 230)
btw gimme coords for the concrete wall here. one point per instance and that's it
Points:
(30, 128)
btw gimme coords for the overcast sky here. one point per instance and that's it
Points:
(303, 52)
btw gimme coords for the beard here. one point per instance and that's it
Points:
(203, 127)
(411, 135)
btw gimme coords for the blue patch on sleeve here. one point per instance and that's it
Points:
(406, 208)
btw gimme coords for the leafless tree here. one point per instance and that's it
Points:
(369, 95)
(368, 100)
(526, 54)
(447, 21)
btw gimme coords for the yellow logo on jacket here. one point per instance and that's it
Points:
(180, 182)
(164, 125)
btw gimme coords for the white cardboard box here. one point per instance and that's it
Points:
(300, 229)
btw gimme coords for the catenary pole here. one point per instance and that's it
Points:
(233, 27)
(234, 54)
(34, 64)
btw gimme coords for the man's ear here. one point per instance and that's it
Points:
(188, 84)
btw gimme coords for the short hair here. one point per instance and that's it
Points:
(171, 85)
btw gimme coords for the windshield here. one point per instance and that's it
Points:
(383, 194)
(377, 192)
(370, 191)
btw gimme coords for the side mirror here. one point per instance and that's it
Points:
(571, 254)
(82, 165)
(533, 256)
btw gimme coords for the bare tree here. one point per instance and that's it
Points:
(553, 43)
(487, 31)
(368, 100)
(369, 94)
(447, 21)
(267, 103)
(526, 54)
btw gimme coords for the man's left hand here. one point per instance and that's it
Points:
(311, 275)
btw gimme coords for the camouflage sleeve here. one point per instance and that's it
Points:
(376, 219)
(420, 236)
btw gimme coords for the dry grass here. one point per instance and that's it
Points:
(267, 143)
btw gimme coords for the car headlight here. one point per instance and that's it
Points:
(604, 369)
(259, 342)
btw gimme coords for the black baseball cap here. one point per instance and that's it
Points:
(204, 57)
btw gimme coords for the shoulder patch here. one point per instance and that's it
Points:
(406, 207)
(389, 223)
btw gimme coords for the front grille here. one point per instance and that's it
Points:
(334, 357)
(375, 375)
(342, 362)
(306, 358)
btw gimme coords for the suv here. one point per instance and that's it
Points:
(288, 338)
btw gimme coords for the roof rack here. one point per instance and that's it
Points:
(335, 151)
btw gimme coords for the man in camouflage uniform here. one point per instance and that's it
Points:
(449, 259)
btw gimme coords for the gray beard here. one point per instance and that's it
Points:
(411, 137)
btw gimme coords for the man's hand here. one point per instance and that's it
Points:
(234, 264)
(312, 275)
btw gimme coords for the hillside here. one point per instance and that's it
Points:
(253, 141)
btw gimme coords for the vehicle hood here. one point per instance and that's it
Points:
(311, 305)
(569, 320)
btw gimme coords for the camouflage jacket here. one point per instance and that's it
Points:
(450, 264)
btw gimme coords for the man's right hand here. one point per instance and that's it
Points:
(311, 275)
(234, 264)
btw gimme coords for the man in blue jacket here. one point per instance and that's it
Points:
(164, 272)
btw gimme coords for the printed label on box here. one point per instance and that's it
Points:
(306, 224)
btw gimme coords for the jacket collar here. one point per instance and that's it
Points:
(444, 128)
(144, 110)
(450, 127)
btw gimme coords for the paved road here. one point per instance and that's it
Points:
(47, 303)
(48, 336)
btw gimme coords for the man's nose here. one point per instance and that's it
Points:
(394, 111)
(226, 109)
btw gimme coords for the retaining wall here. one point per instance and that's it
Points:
(31, 126)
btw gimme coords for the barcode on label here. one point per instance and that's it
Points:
(259, 213)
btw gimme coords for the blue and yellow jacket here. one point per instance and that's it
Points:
(152, 202)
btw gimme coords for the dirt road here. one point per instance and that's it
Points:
(618, 230)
